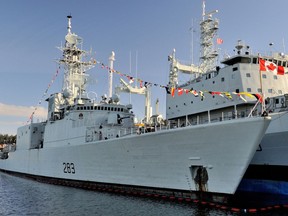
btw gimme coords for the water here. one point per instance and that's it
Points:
(19, 196)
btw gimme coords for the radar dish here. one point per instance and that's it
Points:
(67, 93)
(115, 98)
(92, 95)
(73, 39)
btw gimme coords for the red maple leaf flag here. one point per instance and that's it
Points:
(270, 66)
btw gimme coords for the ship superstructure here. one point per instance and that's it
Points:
(231, 91)
(88, 143)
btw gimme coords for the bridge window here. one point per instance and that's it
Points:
(222, 79)
(270, 90)
(248, 89)
(279, 63)
(279, 91)
(277, 101)
(259, 90)
(264, 76)
(248, 75)
(275, 77)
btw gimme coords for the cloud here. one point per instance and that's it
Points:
(22, 111)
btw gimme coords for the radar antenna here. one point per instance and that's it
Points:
(75, 77)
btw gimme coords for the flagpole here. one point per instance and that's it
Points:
(261, 86)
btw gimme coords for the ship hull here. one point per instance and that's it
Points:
(167, 159)
(268, 170)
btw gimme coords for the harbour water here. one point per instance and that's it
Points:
(19, 196)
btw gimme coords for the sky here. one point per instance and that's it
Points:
(141, 33)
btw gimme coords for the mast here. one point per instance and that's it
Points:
(75, 78)
(110, 74)
(208, 28)
(208, 56)
(148, 109)
(203, 9)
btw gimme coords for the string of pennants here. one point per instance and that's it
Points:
(169, 90)
(180, 91)
(44, 94)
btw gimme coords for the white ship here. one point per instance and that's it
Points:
(231, 91)
(85, 143)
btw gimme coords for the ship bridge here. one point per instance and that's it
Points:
(243, 55)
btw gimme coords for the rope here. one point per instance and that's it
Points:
(44, 95)
(180, 91)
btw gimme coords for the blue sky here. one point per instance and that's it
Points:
(32, 29)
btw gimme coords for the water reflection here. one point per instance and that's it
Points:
(20, 196)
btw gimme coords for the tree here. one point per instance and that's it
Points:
(9, 139)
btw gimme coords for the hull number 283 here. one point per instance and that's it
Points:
(69, 168)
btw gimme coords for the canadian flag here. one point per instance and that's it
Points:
(270, 66)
